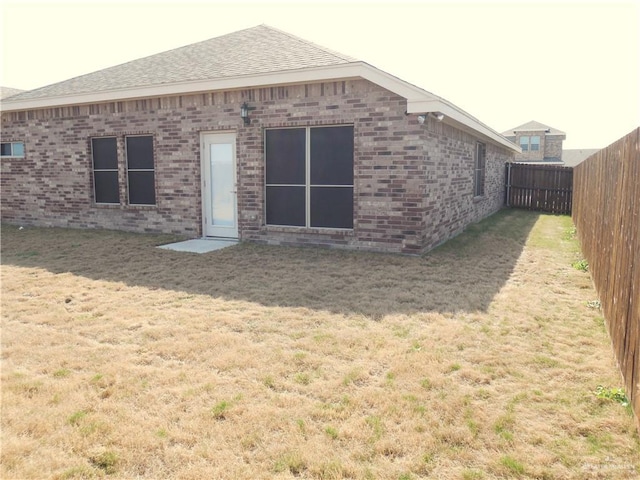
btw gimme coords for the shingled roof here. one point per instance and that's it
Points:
(533, 126)
(256, 57)
(6, 92)
(260, 49)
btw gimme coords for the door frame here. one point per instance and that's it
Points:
(205, 189)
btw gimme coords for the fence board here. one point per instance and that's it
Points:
(606, 212)
(546, 188)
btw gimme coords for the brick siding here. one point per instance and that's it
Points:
(413, 185)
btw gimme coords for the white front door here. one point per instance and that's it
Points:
(219, 190)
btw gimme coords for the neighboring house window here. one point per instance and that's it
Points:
(141, 182)
(104, 152)
(309, 177)
(524, 143)
(535, 143)
(479, 170)
(12, 149)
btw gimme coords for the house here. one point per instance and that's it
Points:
(6, 92)
(257, 135)
(538, 142)
(574, 156)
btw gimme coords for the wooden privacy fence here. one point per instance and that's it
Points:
(546, 188)
(606, 213)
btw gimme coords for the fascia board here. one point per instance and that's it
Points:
(342, 71)
(418, 100)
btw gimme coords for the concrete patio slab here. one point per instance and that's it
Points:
(200, 245)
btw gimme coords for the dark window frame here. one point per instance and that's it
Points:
(312, 189)
(95, 170)
(128, 170)
(479, 169)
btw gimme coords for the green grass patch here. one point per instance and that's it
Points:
(513, 465)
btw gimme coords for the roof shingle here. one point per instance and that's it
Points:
(256, 50)
(533, 126)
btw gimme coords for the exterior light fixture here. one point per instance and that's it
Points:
(438, 116)
(244, 112)
(421, 119)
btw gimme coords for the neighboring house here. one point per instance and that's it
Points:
(6, 92)
(573, 157)
(538, 142)
(256, 135)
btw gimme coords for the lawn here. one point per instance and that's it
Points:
(478, 360)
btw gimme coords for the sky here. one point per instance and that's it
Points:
(572, 65)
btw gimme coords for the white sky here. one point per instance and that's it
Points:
(574, 65)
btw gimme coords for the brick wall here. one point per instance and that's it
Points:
(531, 155)
(553, 146)
(550, 146)
(413, 184)
(449, 202)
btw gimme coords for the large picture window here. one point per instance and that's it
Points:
(141, 182)
(479, 170)
(309, 177)
(104, 152)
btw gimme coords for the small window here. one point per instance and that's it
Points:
(12, 149)
(524, 143)
(141, 176)
(104, 152)
(535, 143)
(479, 170)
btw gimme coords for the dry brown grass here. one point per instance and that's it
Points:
(478, 360)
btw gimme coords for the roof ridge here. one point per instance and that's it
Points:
(341, 56)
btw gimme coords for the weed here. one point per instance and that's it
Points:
(613, 394)
(291, 462)
(269, 382)
(105, 461)
(454, 367)
(31, 253)
(162, 433)
(406, 476)
(512, 464)
(389, 378)
(472, 474)
(219, 410)
(546, 362)
(63, 372)
(332, 432)
(426, 384)
(78, 472)
(76, 417)
(302, 426)
(594, 304)
(302, 378)
(581, 265)
(376, 426)
(503, 426)
(351, 377)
